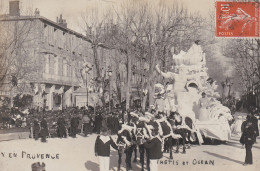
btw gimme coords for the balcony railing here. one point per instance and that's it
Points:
(58, 79)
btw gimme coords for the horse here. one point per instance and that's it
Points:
(165, 131)
(183, 129)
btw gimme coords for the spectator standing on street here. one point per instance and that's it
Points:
(61, 129)
(36, 129)
(86, 124)
(74, 123)
(98, 122)
(44, 129)
(247, 138)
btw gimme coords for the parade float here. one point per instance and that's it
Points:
(188, 80)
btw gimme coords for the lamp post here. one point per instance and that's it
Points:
(109, 72)
(87, 69)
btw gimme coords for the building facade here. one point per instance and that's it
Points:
(56, 52)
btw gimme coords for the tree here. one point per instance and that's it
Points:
(144, 34)
(246, 55)
(17, 59)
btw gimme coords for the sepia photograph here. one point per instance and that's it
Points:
(129, 85)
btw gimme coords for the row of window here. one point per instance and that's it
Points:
(64, 40)
(58, 66)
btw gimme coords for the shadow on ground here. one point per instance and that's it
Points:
(92, 166)
(223, 157)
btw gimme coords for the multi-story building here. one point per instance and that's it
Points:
(57, 55)
(57, 52)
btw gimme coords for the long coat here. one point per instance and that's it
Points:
(44, 128)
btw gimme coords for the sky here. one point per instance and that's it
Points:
(72, 10)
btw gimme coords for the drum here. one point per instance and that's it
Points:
(121, 147)
(140, 139)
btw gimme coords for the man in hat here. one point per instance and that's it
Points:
(74, 123)
(115, 123)
(247, 138)
(98, 122)
(86, 124)
(140, 135)
(44, 129)
(61, 129)
(36, 129)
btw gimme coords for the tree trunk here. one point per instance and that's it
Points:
(97, 63)
(128, 85)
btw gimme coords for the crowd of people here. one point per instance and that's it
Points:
(133, 130)
(61, 123)
(73, 121)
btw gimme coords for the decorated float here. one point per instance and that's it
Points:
(188, 80)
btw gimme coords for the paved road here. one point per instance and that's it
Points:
(78, 155)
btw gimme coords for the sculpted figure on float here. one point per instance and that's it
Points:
(189, 79)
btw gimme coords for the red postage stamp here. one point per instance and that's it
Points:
(237, 19)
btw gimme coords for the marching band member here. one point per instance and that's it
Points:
(154, 145)
(102, 148)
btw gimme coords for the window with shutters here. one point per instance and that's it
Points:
(51, 64)
(60, 63)
(55, 36)
(68, 70)
(65, 66)
(46, 33)
(56, 64)
(47, 63)
(51, 37)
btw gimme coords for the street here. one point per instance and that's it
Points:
(78, 155)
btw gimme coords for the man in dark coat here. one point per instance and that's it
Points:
(61, 130)
(74, 123)
(36, 129)
(44, 129)
(86, 124)
(98, 122)
(110, 123)
(247, 138)
(116, 123)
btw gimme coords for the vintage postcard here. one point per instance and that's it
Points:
(129, 85)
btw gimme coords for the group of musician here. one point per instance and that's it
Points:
(144, 132)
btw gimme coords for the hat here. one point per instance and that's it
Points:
(134, 114)
(144, 119)
(150, 127)
(149, 115)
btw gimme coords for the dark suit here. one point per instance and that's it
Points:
(61, 130)
(36, 130)
(44, 130)
(74, 126)
(247, 138)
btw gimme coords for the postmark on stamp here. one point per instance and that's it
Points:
(237, 19)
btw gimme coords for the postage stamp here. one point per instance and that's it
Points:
(237, 19)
